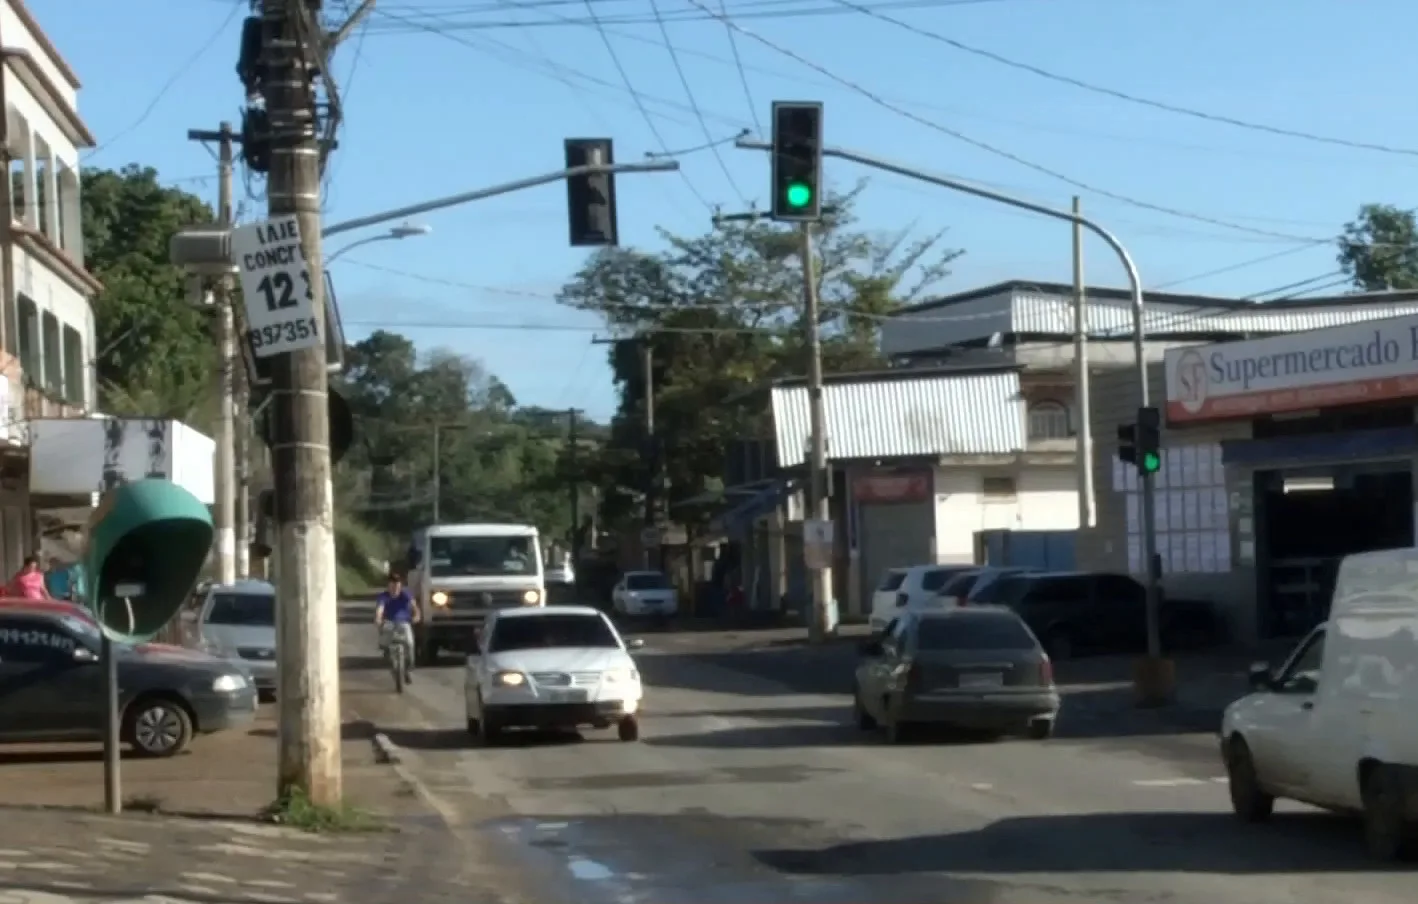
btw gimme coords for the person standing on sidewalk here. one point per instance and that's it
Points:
(28, 582)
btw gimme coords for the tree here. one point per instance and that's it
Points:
(155, 354)
(722, 313)
(1379, 248)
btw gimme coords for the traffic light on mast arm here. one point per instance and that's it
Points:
(797, 161)
(590, 199)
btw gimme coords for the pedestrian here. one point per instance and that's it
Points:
(28, 582)
(58, 580)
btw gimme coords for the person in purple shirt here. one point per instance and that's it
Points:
(396, 608)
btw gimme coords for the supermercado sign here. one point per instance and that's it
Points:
(1349, 365)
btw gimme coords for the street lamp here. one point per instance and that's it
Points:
(402, 231)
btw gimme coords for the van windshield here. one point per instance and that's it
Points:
(451, 557)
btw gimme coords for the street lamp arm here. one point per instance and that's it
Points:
(649, 166)
(330, 259)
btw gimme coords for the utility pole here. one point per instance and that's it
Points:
(1087, 514)
(243, 475)
(223, 324)
(573, 472)
(294, 47)
(437, 471)
(652, 485)
(822, 621)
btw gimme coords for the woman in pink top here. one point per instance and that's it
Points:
(28, 583)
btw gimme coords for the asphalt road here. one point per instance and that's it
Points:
(745, 790)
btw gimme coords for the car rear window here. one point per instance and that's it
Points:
(892, 581)
(253, 610)
(961, 584)
(533, 632)
(936, 577)
(975, 631)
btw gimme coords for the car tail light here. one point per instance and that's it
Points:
(913, 677)
(901, 600)
(1046, 672)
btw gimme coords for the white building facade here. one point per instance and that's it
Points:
(47, 327)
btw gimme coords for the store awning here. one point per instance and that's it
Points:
(1322, 447)
(759, 502)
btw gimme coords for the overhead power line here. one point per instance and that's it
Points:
(875, 13)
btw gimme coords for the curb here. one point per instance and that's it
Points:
(386, 751)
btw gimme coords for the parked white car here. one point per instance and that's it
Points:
(911, 589)
(643, 593)
(1333, 726)
(552, 667)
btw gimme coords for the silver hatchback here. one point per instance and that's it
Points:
(238, 622)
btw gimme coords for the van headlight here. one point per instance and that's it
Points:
(228, 684)
(531, 597)
(439, 598)
(620, 676)
(509, 679)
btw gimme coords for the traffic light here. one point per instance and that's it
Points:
(797, 161)
(1127, 444)
(147, 543)
(1149, 440)
(590, 200)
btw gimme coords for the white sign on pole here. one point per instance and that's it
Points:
(280, 314)
(817, 543)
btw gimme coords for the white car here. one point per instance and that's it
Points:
(552, 667)
(911, 589)
(643, 593)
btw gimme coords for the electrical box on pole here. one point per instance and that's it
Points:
(1149, 440)
(590, 199)
(797, 161)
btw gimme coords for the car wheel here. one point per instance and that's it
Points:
(1249, 801)
(1387, 832)
(489, 732)
(898, 731)
(474, 728)
(158, 727)
(628, 729)
(1040, 729)
(864, 719)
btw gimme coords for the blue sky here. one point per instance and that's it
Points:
(445, 96)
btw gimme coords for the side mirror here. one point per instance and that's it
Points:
(84, 654)
(869, 648)
(635, 643)
(1260, 676)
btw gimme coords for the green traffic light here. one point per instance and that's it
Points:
(799, 194)
(1151, 463)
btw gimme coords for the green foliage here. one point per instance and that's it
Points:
(723, 312)
(143, 316)
(1379, 248)
(495, 462)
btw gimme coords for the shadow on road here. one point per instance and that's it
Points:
(459, 739)
(1101, 842)
(355, 730)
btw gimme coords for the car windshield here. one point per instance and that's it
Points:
(647, 580)
(536, 632)
(451, 557)
(248, 610)
(975, 631)
(892, 581)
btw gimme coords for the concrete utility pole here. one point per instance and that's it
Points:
(822, 622)
(243, 474)
(437, 472)
(573, 467)
(223, 325)
(1083, 429)
(307, 640)
(652, 484)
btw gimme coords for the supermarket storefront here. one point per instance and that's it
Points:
(1326, 468)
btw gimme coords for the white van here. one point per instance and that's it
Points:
(1335, 726)
(460, 573)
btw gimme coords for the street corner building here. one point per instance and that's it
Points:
(1282, 453)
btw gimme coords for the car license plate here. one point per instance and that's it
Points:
(566, 696)
(982, 680)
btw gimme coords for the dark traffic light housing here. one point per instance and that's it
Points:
(1140, 443)
(797, 161)
(590, 199)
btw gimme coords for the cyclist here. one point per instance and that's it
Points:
(396, 609)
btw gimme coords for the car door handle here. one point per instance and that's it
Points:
(1308, 704)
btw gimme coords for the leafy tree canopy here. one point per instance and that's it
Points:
(1379, 248)
(143, 316)
(722, 315)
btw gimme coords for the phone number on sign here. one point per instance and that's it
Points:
(278, 334)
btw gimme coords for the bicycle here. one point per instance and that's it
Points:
(398, 643)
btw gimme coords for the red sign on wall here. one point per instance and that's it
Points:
(892, 487)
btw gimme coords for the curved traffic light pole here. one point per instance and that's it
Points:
(1149, 532)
